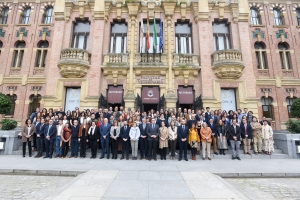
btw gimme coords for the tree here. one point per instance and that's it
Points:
(295, 108)
(5, 104)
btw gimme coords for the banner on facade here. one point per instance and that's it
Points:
(72, 99)
(228, 99)
(185, 95)
(150, 95)
(115, 94)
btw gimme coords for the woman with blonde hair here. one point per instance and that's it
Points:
(193, 140)
(173, 139)
(114, 135)
(163, 140)
(206, 140)
(134, 135)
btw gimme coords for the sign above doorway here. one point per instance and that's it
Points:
(151, 80)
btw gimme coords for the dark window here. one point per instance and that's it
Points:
(25, 16)
(42, 54)
(1, 45)
(285, 56)
(13, 99)
(261, 58)
(221, 36)
(267, 108)
(143, 48)
(47, 18)
(34, 103)
(4, 15)
(290, 102)
(183, 38)
(18, 54)
(298, 16)
(278, 18)
(81, 34)
(118, 38)
(255, 17)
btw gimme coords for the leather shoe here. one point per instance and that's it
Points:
(127, 158)
(101, 157)
(186, 159)
(155, 159)
(209, 158)
(71, 157)
(122, 158)
(107, 157)
(179, 159)
(44, 157)
(203, 158)
(233, 158)
(141, 158)
(216, 153)
(91, 157)
(238, 158)
(50, 157)
(56, 156)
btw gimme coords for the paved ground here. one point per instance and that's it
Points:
(129, 179)
(30, 187)
(267, 188)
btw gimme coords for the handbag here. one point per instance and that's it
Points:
(194, 144)
(209, 140)
(20, 135)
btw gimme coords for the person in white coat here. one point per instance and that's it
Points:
(134, 135)
(267, 133)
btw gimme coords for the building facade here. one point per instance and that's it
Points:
(89, 54)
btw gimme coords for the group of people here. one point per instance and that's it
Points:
(120, 131)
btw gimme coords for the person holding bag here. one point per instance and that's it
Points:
(221, 134)
(163, 140)
(193, 140)
(206, 133)
(173, 139)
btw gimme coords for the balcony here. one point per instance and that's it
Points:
(116, 60)
(74, 63)
(228, 64)
(186, 60)
(150, 60)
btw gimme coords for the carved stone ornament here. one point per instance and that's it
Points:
(145, 2)
(114, 2)
(187, 2)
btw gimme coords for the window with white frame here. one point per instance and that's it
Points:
(118, 38)
(81, 34)
(25, 16)
(255, 16)
(18, 54)
(285, 56)
(278, 17)
(221, 35)
(48, 15)
(183, 38)
(261, 55)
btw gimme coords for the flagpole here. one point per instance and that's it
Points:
(142, 41)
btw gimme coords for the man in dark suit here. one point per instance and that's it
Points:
(198, 115)
(234, 132)
(192, 121)
(50, 133)
(246, 133)
(124, 134)
(104, 137)
(152, 132)
(183, 135)
(74, 139)
(213, 128)
(143, 139)
(207, 115)
(106, 114)
(40, 137)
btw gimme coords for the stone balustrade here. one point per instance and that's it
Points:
(228, 64)
(74, 63)
(116, 60)
(187, 60)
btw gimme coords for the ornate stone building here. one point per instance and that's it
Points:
(87, 54)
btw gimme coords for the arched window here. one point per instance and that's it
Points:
(18, 54)
(261, 56)
(255, 16)
(298, 15)
(278, 18)
(48, 15)
(267, 107)
(4, 15)
(25, 16)
(34, 103)
(290, 102)
(13, 99)
(42, 54)
(285, 56)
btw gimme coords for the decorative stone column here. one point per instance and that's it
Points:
(171, 98)
(129, 98)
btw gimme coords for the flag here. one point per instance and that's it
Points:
(142, 34)
(148, 36)
(161, 36)
(154, 36)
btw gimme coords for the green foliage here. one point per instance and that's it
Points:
(8, 124)
(293, 126)
(295, 108)
(5, 104)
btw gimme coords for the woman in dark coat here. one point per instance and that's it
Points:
(93, 137)
(221, 134)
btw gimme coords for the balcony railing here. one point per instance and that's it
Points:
(188, 60)
(150, 59)
(74, 62)
(116, 59)
(228, 63)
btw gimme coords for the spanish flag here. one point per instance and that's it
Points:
(148, 36)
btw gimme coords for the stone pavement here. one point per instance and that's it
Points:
(167, 179)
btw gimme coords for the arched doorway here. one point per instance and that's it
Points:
(34, 103)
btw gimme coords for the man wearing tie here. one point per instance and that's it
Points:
(50, 133)
(104, 137)
(152, 132)
(183, 135)
(143, 139)
(74, 140)
(124, 134)
(234, 132)
(40, 137)
(213, 127)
